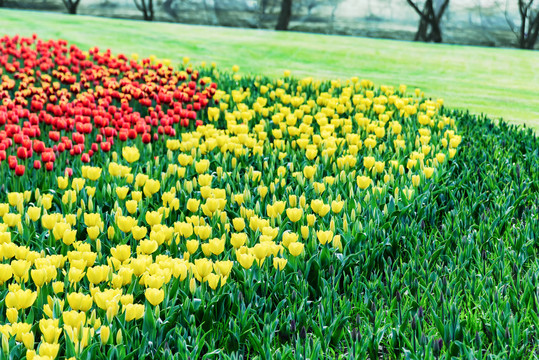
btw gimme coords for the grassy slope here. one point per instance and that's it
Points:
(498, 82)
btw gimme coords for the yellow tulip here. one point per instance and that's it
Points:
(294, 214)
(39, 276)
(79, 301)
(46, 201)
(75, 275)
(69, 237)
(154, 296)
(324, 236)
(153, 218)
(336, 206)
(296, 248)
(131, 206)
(20, 269)
(121, 252)
(104, 334)
(97, 274)
(12, 314)
(34, 213)
(309, 171)
(369, 162)
(5, 273)
(18, 329)
(363, 182)
(151, 187)
(12, 220)
(77, 184)
(93, 232)
(179, 271)
(28, 340)
(279, 263)
(337, 242)
(121, 192)
(224, 267)
(20, 299)
(238, 239)
(202, 166)
(440, 157)
(204, 232)
(288, 238)
(126, 223)
(203, 267)
(58, 287)
(50, 350)
(428, 171)
(131, 154)
(5, 237)
(139, 232)
(213, 281)
(416, 179)
(74, 318)
(59, 229)
(62, 182)
(134, 311)
(245, 260)
(193, 204)
(217, 246)
(148, 246)
(260, 251)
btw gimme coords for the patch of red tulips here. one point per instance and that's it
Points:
(56, 99)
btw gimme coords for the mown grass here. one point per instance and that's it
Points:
(498, 82)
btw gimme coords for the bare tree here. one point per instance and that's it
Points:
(284, 15)
(146, 8)
(429, 20)
(528, 31)
(71, 5)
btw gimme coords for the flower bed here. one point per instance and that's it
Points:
(170, 200)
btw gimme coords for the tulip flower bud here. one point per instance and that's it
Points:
(5, 345)
(104, 334)
(119, 337)
(12, 315)
(303, 333)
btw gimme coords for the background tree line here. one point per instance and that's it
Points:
(430, 15)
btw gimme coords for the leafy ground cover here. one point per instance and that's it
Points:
(497, 82)
(156, 212)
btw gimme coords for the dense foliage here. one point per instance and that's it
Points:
(199, 213)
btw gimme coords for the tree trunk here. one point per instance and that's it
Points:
(284, 16)
(429, 21)
(150, 5)
(529, 38)
(421, 34)
(146, 7)
(71, 6)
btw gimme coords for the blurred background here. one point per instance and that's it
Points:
(499, 23)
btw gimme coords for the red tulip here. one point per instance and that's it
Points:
(19, 170)
(22, 153)
(146, 138)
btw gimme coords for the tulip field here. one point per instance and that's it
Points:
(163, 209)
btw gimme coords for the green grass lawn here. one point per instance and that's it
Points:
(499, 82)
